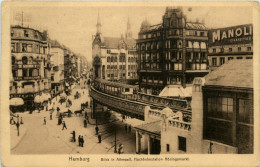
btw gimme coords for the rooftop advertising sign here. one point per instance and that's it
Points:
(242, 34)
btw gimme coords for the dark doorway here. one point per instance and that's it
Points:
(96, 71)
(155, 146)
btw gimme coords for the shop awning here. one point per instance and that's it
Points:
(16, 101)
(38, 99)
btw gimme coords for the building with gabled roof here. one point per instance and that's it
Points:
(114, 58)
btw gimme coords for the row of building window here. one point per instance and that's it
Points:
(174, 44)
(130, 67)
(28, 48)
(151, 35)
(121, 59)
(129, 52)
(26, 73)
(26, 34)
(115, 75)
(189, 66)
(175, 32)
(222, 60)
(25, 60)
(214, 50)
(153, 66)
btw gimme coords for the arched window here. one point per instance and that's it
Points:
(148, 46)
(24, 60)
(115, 59)
(30, 60)
(108, 59)
(13, 60)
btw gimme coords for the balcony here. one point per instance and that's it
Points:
(20, 66)
(26, 78)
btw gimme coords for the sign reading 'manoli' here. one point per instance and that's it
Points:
(231, 35)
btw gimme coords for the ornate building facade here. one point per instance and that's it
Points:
(173, 52)
(114, 58)
(230, 43)
(57, 72)
(30, 62)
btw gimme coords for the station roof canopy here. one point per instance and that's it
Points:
(234, 73)
(176, 91)
(151, 127)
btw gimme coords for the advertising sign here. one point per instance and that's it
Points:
(242, 34)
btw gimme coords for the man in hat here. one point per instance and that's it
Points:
(85, 123)
(99, 137)
(44, 121)
(97, 129)
(79, 140)
(82, 141)
(73, 136)
(17, 125)
(64, 125)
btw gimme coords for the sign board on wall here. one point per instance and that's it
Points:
(242, 34)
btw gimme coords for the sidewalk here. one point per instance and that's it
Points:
(15, 140)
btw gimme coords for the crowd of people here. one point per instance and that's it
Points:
(61, 121)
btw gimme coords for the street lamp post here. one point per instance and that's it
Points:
(115, 151)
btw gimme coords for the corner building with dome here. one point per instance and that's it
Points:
(30, 64)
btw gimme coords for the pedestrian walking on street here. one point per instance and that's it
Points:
(79, 140)
(86, 114)
(99, 138)
(82, 141)
(129, 128)
(120, 149)
(97, 129)
(87, 119)
(85, 123)
(51, 116)
(11, 120)
(64, 125)
(126, 128)
(17, 126)
(44, 121)
(73, 136)
(21, 122)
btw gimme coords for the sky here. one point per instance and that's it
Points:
(75, 26)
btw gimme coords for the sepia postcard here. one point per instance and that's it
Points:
(137, 83)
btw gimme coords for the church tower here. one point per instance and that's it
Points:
(98, 25)
(128, 30)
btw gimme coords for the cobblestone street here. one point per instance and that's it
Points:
(37, 138)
